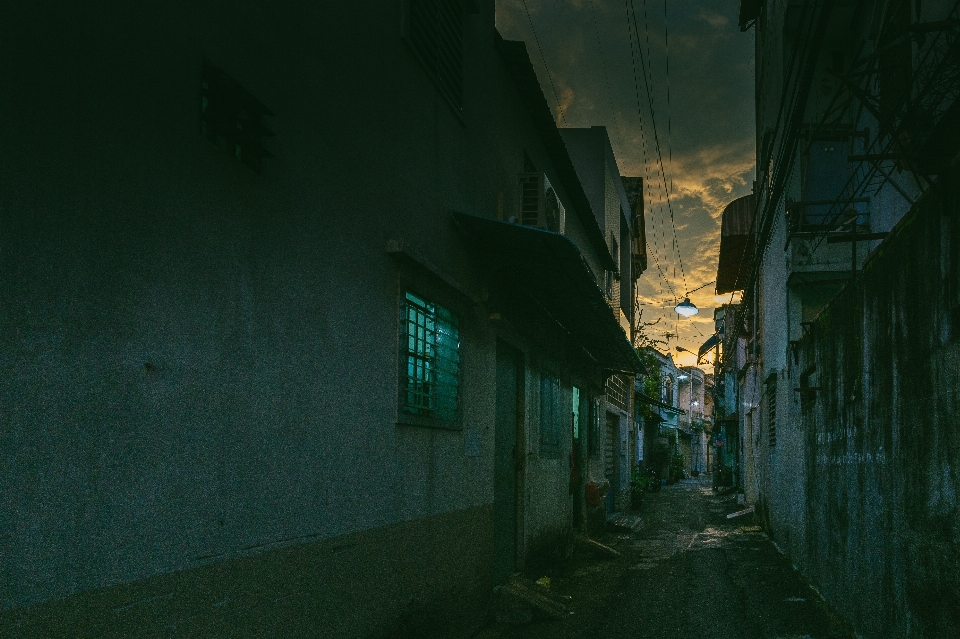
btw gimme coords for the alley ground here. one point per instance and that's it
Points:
(687, 573)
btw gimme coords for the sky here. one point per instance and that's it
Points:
(699, 68)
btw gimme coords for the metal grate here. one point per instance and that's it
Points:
(436, 31)
(430, 382)
(530, 189)
(617, 391)
(772, 411)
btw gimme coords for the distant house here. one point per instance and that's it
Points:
(307, 319)
(599, 174)
(657, 412)
(692, 424)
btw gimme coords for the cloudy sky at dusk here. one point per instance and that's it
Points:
(706, 133)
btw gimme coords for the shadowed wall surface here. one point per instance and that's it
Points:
(880, 438)
(363, 584)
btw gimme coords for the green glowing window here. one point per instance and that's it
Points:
(430, 375)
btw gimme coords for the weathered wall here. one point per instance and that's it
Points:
(200, 363)
(374, 583)
(881, 443)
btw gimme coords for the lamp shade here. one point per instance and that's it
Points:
(686, 308)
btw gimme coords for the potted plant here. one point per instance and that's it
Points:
(639, 483)
(660, 459)
(676, 468)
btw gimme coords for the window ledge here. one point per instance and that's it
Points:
(428, 422)
(403, 252)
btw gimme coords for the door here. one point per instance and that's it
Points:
(576, 461)
(610, 445)
(509, 369)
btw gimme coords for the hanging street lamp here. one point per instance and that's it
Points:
(686, 308)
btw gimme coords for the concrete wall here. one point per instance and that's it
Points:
(373, 583)
(879, 440)
(200, 363)
(856, 482)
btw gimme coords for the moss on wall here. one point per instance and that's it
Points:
(882, 449)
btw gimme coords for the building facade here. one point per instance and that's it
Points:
(694, 424)
(857, 129)
(658, 412)
(307, 320)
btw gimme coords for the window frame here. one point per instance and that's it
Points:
(550, 426)
(434, 67)
(428, 417)
(770, 397)
(232, 118)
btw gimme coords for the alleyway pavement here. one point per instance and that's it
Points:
(687, 573)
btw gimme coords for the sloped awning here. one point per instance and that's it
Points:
(545, 273)
(646, 399)
(736, 244)
(712, 341)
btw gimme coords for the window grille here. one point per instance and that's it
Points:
(539, 203)
(430, 380)
(436, 32)
(232, 118)
(551, 415)
(617, 391)
(772, 410)
(531, 189)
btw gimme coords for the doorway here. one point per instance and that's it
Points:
(576, 461)
(610, 441)
(506, 460)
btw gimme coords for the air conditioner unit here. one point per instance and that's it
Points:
(539, 204)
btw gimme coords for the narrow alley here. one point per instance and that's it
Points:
(687, 572)
(478, 319)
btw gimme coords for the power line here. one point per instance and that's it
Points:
(606, 76)
(631, 11)
(560, 112)
(639, 110)
(636, 86)
(648, 73)
(666, 45)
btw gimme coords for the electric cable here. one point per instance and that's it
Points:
(643, 137)
(560, 112)
(666, 45)
(656, 136)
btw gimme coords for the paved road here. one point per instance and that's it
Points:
(688, 573)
